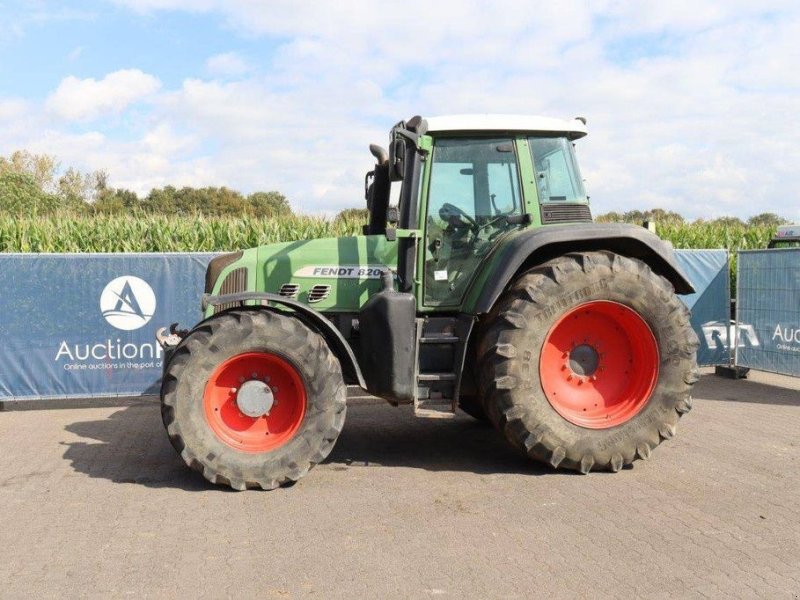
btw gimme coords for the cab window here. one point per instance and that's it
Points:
(557, 175)
(474, 188)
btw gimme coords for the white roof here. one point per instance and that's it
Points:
(574, 127)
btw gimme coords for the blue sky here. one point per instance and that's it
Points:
(691, 105)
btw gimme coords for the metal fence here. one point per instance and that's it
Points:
(709, 272)
(768, 310)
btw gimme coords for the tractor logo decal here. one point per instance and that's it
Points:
(128, 303)
(341, 271)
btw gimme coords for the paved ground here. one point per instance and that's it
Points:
(94, 502)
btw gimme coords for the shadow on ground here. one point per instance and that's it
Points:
(713, 387)
(130, 446)
(393, 437)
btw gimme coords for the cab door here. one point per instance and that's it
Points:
(473, 196)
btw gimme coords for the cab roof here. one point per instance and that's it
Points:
(573, 128)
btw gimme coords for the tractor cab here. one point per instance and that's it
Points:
(465, 182)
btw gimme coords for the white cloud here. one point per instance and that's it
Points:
(690, 104)
(228, 64)
(12, 108)
(84, 99)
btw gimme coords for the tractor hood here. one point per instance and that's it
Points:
(330, 274)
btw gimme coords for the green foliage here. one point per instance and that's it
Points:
(118, 232)
(115, 202)
(710, 234)
(723, 222)
(32, 183)
(159, 233)
(733, 235)
(268, 204)
(767, 219)
(659, 215)
(20, 195)
(353, 217)
(214, 201)
(41, 168)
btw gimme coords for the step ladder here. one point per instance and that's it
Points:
(441, 347)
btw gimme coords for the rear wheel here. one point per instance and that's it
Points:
(587, 361)
(253, 399)
(472, 406)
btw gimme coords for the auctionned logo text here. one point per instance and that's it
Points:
(127, 303)
(785, 338)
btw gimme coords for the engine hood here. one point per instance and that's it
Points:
(330, 274)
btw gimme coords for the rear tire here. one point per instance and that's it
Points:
(608, 335)
(473, 407)
(210, 430)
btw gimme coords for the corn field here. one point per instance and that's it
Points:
(153, 233)
(70, 233)
(714, 235)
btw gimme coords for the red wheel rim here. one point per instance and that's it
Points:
(599, 364)
(255, 434)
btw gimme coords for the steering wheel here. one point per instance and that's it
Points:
(452, 215)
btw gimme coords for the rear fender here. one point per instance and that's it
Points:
(530, 247)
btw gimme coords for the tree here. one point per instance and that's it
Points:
(269, 204)
(610, 217)
(41, 168)
(766, 219)
(358, 215)
(659, 215)
(634, 216)
(21, 194)
(111, 201)
(727, 222)
(76, 189)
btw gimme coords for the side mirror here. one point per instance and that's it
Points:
(397, 156)
(392, 215)
(368, 179)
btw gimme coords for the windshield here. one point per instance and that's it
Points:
(557, 176)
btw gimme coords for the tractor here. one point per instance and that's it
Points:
(480, 283)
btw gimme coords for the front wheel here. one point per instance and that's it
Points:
(587, 361)
(253, 399)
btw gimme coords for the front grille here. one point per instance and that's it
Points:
(318, 293)
(289, 290)
(565, 213)
(216, 266)
(234, 282)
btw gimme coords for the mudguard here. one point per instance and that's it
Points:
(312, 318)
(524, 249)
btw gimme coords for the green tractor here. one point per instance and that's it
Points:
(487, 287)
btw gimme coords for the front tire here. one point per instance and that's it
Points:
(253, 399)
(587, 361)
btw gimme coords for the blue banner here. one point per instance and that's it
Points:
(768, 310)
(708, 270)
(84, 325)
